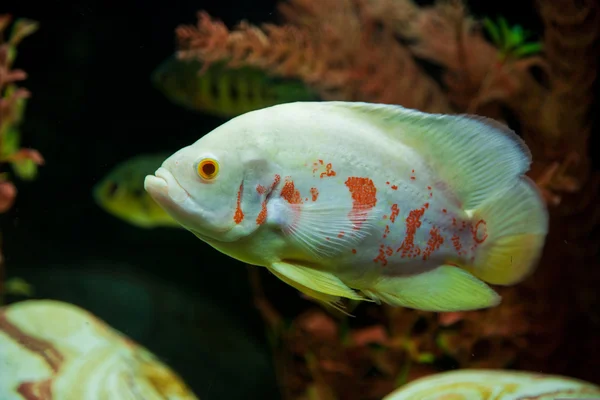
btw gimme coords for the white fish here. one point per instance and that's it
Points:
(364, 201)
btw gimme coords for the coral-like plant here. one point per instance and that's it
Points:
(13, 99)
(383, 51)
(12, 107)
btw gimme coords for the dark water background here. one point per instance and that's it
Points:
(93, 106)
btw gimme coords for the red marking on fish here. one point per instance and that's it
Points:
(328, 171)
(394, 187)
(341, 234)
(381, 257)
(387, 183)
(457, 245)
(386, 231)
(353, 251)
(315, 193)
(434, 243)
(290, 193)
(395, 212)
(364, 198)
(262, 215)
(238, 216)
(413, 222)
(444, 210)
(479, 231)
(385, 216)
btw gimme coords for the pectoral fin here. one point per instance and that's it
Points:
(445, 288)
(320, 285)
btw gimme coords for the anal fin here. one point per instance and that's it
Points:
(445, 288)
(321, 285)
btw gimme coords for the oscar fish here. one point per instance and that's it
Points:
(364, 201)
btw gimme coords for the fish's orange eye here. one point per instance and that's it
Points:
(208, 168)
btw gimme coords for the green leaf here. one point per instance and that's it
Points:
(25, 169)
(493, 31)
(528, 49)
(504, 29)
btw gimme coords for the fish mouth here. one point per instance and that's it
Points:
(164, 187)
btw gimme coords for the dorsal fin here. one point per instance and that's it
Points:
(476, 156)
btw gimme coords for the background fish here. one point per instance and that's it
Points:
(223, 91)
(364, 201)
(121, 193)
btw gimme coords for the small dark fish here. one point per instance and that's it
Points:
(224, 91)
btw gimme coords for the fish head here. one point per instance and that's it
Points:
(209, 188)
(121, 193)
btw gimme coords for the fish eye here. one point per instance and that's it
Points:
(112, 189)
(208, 168)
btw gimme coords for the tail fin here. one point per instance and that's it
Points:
(517, 223)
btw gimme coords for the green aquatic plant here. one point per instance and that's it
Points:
(510, 41)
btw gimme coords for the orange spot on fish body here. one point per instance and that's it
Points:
(238, 216)
(394, 187)
(290, 193)
(341, 234)
(315, 193)
(328, 171)
(413, 222)
(261, 189)
(434, 243)
(479, 232)
(386, 231)
(444, 210)
(381, 257)
(262, 215)
(353, 251)
(364, 198)
(387, 183)
(395, 212)
(457, 245)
